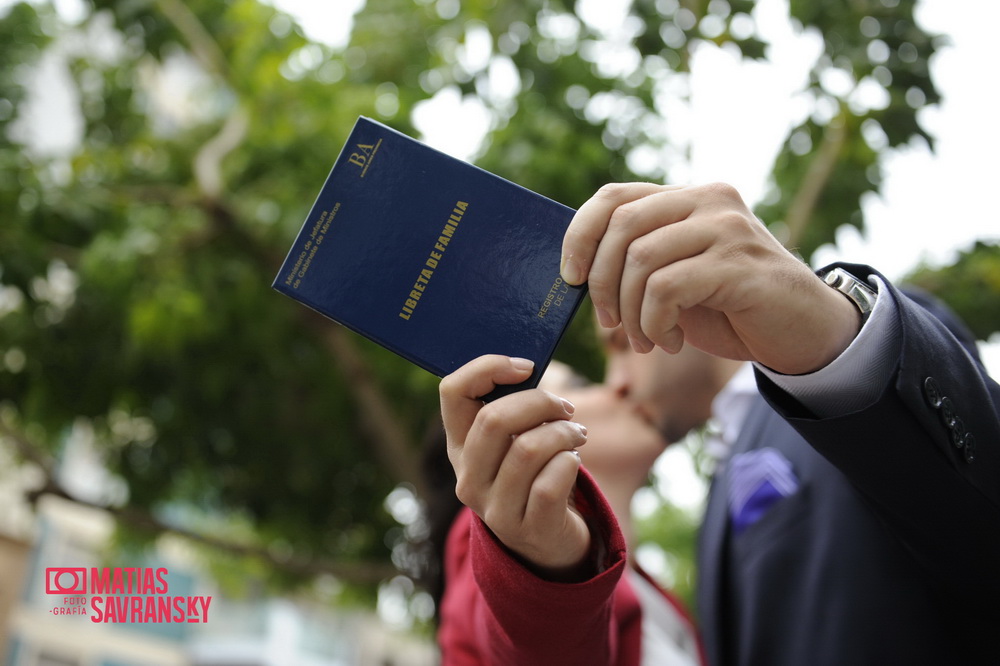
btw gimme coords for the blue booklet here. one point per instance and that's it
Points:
(431, 257)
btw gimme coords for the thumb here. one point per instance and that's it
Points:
(461, 391)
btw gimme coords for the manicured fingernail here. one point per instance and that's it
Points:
(568, 406)
(570, 270)
(604, 318)
(582, 428)
(522, 363)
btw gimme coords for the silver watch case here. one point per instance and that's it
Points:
(862, 295)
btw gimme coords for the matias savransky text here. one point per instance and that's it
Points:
(135, 595)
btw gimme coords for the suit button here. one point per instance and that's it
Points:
(970, 448)
(948, 412)
(958, 433)
(932, 392)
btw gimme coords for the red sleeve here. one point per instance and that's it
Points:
(496, 611)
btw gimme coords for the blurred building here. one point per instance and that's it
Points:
(36, 631)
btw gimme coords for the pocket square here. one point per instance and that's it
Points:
(757, 479)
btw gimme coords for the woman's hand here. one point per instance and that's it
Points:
(516, 464)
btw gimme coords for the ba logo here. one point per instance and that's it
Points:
(362, 157)
(66, 580)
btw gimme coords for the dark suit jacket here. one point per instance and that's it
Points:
(888, 551)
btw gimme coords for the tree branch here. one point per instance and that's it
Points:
(394, 447)
(208, 160)
(140, 519)
(203, 46)
(800, 210)
(25, 448)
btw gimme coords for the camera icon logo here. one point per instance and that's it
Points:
(66, 580)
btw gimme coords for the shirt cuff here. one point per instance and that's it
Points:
(857, 377)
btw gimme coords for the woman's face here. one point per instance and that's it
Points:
(619, 437)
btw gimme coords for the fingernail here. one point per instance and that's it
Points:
(640, 346)
(577, 454)
(570, 270)
(674, 341)
(583, 429)
(522, 363)
(568, 406)
(604, 318)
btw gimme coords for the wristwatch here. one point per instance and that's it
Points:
(862, 295)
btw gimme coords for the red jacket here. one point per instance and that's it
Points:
(497, 612)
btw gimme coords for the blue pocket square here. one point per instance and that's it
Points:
(757, 479)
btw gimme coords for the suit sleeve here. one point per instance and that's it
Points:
(925, 454)
(496, 611)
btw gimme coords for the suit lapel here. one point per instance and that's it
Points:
(713, 540)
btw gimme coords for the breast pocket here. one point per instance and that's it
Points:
(757, 481)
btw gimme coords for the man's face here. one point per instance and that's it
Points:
(673, 391)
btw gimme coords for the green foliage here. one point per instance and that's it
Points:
(135, 271)
(145, 304)
(970, 287)
(872, 77)
(674, 531)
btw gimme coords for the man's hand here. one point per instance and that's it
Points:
(693, 263)
(515, 463)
